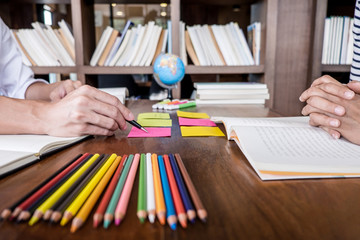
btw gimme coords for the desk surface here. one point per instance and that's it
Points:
(239, 204)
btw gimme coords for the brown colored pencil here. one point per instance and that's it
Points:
(201, 211)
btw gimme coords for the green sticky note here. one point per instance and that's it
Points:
(155, 122)
(153, 115)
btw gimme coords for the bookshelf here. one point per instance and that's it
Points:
(323, 9)
(285, 33)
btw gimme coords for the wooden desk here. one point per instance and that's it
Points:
(239, 204)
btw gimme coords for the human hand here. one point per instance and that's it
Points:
(85, 111)
(62, 88)
(333, 107)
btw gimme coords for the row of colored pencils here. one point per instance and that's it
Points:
(166, 190)
(72, 192)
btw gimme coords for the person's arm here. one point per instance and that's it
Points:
(86, 110)
(51, 92)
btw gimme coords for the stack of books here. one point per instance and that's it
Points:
(221, 45)
(338, 40)
(45, 46)
(231, 93)
(134, 46)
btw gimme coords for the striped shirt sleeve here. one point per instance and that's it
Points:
(355, 66)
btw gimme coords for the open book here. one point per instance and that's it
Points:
(289, 148)
(17, 151)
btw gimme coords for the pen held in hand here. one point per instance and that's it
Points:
(136, 124)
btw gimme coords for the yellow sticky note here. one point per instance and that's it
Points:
(200, 131)
(154, 115)
(192, 114)
(155, 122)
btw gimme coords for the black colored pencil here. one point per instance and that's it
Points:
(26, 213)
(6, 212)
(69, 196)
(78, 181)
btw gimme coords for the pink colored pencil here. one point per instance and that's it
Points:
(121, 207)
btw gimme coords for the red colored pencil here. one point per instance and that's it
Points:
(46, 187)
(99, 214)
(179, 206)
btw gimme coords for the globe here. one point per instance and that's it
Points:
(168, 71)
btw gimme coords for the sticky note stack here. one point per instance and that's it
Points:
(197, 125)
(157, 125)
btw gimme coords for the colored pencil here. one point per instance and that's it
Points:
(121, 207)
(150, 195)
(99, 213)
(170, 209)
(64, 201)
(26, 201)
(84, 212)
(141, 206)
(179, 206)
(110, 210)
(190, 211)
(159, 196)
(27, 212)
(7, 211)
(201, 211)
(75, 205)
(58, 193)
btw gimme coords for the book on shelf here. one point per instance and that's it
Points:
(161, 45)
(254, 40)
(190, 49)
(101, 46)
(120, 45)
(289, 148)
(338, 40)
(109, 44)
(120, 92)
(45, 46)
(18, 151)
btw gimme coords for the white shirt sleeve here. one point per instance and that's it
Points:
(15, 77)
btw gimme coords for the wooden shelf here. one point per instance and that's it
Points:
(116, 70)
(192, 69)
(335, 68)
(47, 70)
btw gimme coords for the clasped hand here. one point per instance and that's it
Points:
(334, 107)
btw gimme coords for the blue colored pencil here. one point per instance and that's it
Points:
(170, 209)
(190, 210)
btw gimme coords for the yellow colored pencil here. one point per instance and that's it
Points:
(83, 195)
(90, 202)
(58, 193)
(159, 197)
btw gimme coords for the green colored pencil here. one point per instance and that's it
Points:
(110, 210)
(141, 207)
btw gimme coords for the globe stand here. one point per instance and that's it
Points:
(170, 97)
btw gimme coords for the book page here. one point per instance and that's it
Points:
(296, 149)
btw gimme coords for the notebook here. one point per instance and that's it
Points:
(289, 148)
(18, 151)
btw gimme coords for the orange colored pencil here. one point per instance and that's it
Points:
(201, 212)
(85, 210)
(159, 196)
(179, 206)
(99, 213)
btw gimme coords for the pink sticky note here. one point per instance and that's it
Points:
(152, 132)
(196, 122)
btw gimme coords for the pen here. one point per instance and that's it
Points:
(135, 124)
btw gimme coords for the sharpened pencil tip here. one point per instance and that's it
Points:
(95, 223)
(33, 220)
(151, 218)
(142, 220)
(106, 223)
(117, 222)
(173, 226)
(64, 221)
